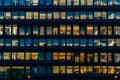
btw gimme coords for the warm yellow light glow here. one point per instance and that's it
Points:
(28, 76)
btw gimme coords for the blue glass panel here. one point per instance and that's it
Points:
(21, 42)
(22, 2)
(7, 2)
(41, 56)
(0, 2)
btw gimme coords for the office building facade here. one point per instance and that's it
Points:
(59, 39)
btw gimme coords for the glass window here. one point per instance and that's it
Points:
(55, 2)
(55, 42)
(76, 30)
(22, 15)
(82, 14)
(7, 29)
(49, 42)
(14, 42)
(41, 56)
(70, 56)
(96, 57)
(90, 29)
(7, 56)
(97, 70)
(116, 30)
(77, 57)
(117, 15)
(82, 42)
(76, 42)
(21, 42)
(69, 2)
(76, 2)
(56, 15)
(7, 2)
(103, 42)
(1, 55)
(35, 42)
(48, 2)
(41, 2)
(42, 30)
(55, 69)
(1, 15)
(109, 57)
(103, 2)
(35, 2)
(62, 29)
(96, 42)
(49, 15)
(28, 42)
(14, 30)
(68, 29)
(69, 69)
(49, 30)
(116, 57)
(48, 55)
(63, 42)
(117, 42)
(90, 42)
(5, 72)
(1, 2)
(28, 2)
(28, 55)
(35, 15)
(21, 30)
(55, 30)
(70, 15)
(111, 70)
(110, 2)
(90, 15)
(14, 2)
(62, 2)
(63, 15)
(42, 42)
(83, 2)
(28, 15)
(1, 29)
(8, 42)
(7, 15)
(76, 15)
(69, 42)
(82, 30)
(111, 15)
(110, 42)
(103, 69)
(28, 30)
(42, 15)
(14, 15)
(117, 2)
(20, 55)
(109, 30)
(82, 57)
(103, 30)
(34, 56)
(1, 42)
(103, 57)
(83, 69)
(22, 2)
(35, 30)
(89, 2)
(95, 30)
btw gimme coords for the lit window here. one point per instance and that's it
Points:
(28, 15)
(14, 30)
(35, 2)
(42, 15)
(6, 55)
(35, 30)
(89, 2)
(8, 30)
(76, 30)
(111, 70)
(103, 57)
(7, 15)
(34, 55)
(1, 29)
(35, 15)
(14, 42)
(62, 2)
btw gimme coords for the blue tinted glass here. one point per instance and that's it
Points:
(41, 2)
(117, 2)
(28, 42)
(22, 2)
(15, 2)
(48, 2)
(1, 14)
(83, 42)
(0, 2)
(41, 56)
(21, 42)
(48, 56)
(42, 69)
(7, 2)
(28, 2)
